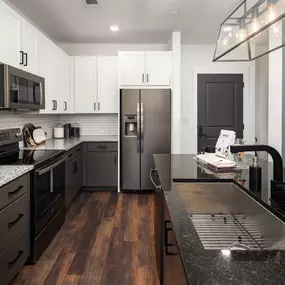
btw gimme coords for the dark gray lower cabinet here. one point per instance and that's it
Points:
(101, 166)
(73, 175)
(102, 169)
(173, 268)
(14, 227)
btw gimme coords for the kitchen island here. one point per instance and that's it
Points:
(205, 266)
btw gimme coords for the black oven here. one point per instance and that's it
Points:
(20, 89)
(47, 205)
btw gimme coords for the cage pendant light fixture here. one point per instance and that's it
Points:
(251, 31)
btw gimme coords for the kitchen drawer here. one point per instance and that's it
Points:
(102, 147)
(13, 220)
(72, 153)
(14, 190)
(14, 257)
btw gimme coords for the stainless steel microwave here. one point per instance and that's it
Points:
(20, 89)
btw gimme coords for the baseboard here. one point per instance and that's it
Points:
(137, 191)
(99, 189)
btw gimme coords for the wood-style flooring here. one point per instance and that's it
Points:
(107, 239)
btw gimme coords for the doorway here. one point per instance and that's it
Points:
(220, 106)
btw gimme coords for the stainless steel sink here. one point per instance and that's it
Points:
(225, 217)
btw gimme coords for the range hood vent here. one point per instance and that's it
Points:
(254, 29)
(91, 2)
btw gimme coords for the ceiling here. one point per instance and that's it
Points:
(140, 21)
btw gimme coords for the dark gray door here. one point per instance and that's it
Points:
(220, 106)
(155, 129)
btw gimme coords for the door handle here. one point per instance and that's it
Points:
(200, 131)
(138, 128)
(142, 128)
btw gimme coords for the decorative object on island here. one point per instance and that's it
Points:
(251, 31)
(75, 130)
(32, 136)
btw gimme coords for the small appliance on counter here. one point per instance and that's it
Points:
(67, 131)
(58, 131)
(75, 130)
(33, 136)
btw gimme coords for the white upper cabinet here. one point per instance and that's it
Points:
(30, 47)
(132, 68)
(10, 31)
(158, 68)
(107, 98)
(85, 84)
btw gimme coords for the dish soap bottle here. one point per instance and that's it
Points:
(255, 176)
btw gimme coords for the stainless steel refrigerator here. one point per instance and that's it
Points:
(145, 130)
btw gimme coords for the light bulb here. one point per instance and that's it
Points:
(225, 42)
(271, 11)
(254, 25)
(254, 22)
(230, 34)
(242, 34)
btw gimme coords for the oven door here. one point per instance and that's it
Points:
(49, 193)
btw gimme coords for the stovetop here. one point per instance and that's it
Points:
(28, 157)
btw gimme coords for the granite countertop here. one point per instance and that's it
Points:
(209, 267)
(10, 173)
(67, 144)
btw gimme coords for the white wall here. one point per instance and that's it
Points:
(261, 101)
(108, 49)
(198, 59)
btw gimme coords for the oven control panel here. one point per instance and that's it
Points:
(10, 136)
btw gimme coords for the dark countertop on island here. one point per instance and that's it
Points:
(212, 266)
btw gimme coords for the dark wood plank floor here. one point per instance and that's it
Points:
(107, 239)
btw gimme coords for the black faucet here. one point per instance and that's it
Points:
(277, 159)
(277, 184)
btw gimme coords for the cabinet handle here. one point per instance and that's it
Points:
(95, 106)
(98, 106)
(10, 264)
(115, 159)
(102, 146)
(143, 77)
(15, 192)
(147, 77)
(78, 150)
(11, 224)
(53, 105)
(65, 106)
(166, 243)
(26, 57)
(70, 155)
(21, 57)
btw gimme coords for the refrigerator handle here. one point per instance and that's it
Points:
(142, 128)
(138, 127)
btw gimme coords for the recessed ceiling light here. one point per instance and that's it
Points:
(114, 28)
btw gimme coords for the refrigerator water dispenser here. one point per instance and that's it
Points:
(131, 126)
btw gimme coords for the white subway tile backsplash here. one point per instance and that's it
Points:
(10, 119)
(106, 124)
